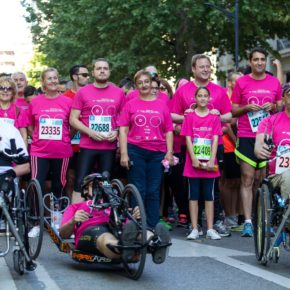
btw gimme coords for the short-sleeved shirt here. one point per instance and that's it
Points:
(15, 116)
(136, 94)
(99, 105)
(250, 91)
(148, 123)
(201, 130)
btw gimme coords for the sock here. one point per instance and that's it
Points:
(248, 221)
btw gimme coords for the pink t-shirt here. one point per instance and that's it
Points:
(136, 94)
(15, 116)
(250, 91)
(201, 130)
(21, 103)
(184, 99)
(50, 119)
(99, 217)
(278, 125)
(148, 122)
(95, 102)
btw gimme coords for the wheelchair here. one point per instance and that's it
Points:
(21, 210)
(119, 202)
(270, 232)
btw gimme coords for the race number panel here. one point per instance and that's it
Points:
(256, 117)
(50, 129)
(101, 124)
(76, 138)
(283, 159)
(202, 148)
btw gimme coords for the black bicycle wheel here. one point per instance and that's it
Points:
(34, 217)
(118, 186)
(18, 262)
(268, 216)
(259, 225)
(131, 198)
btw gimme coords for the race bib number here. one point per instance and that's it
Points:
(101, 124)
(9, 121)
(76, 138)
(283, 159)
(202, 148)
(50, 129)
(256, 117)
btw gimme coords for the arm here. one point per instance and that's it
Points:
(78, 125)
(176, 118)
(22, 169)
(238, 111)
(279, 68)
(210, 163)
(124, 147)
(194, 160)
(226, 118)
(169, 144)
(23, 132)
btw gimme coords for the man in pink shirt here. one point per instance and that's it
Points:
(254, 97)
(95, 114)
(21, 83)
(219, 104)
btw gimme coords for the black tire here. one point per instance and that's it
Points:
(130, 194)
(18, 262)
(118, 186)
(34, 217)
(259, 225)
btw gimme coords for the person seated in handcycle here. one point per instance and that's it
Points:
(273, 143)
(94, 234)
(14, 159)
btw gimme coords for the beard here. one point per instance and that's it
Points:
(101, 80)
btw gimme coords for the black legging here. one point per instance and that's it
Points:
(86, 161)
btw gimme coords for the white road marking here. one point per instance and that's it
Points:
(6, 279)
(182, 248)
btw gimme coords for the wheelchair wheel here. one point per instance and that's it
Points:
(118, 186)
(18, 262)
(131, 198)
(34, 217)
(259, 225)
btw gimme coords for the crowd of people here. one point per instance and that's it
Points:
(188, 151)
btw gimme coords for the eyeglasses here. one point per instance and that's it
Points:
(85, 75)
(155, 88)
(163, 89)
(7, 89)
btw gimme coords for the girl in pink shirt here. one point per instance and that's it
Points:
(145, 139)
(48, 116)
(202, 130)
(8, 110)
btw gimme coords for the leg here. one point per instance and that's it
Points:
(106, 160)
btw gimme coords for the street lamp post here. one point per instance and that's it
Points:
(232, 15)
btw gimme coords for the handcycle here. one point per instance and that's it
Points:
(22, 210)
(270, 231)
(119, 201)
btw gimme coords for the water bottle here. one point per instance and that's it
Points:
(55, 214)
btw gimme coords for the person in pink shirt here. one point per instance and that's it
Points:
(10, 112)
(21, 83)
(146, 138)
(276, 128)
(201, 130)
(254, 97)
(48, 116)
(94, 114)
(219, 104)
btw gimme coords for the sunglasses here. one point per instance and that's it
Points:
(162, 89)
(7, 89)
(85, 75)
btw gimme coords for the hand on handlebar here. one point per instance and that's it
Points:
(80, 216)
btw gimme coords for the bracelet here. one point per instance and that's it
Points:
(170, 151)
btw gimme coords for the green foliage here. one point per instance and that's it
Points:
(134, 33)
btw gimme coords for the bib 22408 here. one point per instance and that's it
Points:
(202, 148)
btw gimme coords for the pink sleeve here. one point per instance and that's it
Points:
(124, 119)
(29, 115)
(264, 125)
(226, 103)
(185, 129)
(236, 96)
(22, 119)
(168, 121)
(279, 93)
(116, 119)
(176, 103)
(217, 128)
(77, 102)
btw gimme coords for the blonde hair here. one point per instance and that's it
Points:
(7, 81)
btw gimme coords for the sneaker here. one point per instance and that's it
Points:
(247, 230)
(237, 229)
(212, 234)
(168, 226)
(194, 234)
(230, 222)
(34, 232)
(160, 252)
(221, 229)
(182, 220)
(129, 236)
(200, 231)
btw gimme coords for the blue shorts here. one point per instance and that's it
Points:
(201, 185)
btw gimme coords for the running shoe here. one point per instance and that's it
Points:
(221, 229)
(128, 238)
(213, 235)
(34, 232)
(193, 235)
(247, 230)
(231, 222)
(160, 253)
(167, 225)
(182, 221)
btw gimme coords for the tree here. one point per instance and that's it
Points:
(134, 33)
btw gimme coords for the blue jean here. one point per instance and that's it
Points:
(146, 174)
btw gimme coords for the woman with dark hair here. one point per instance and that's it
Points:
(146, 138)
